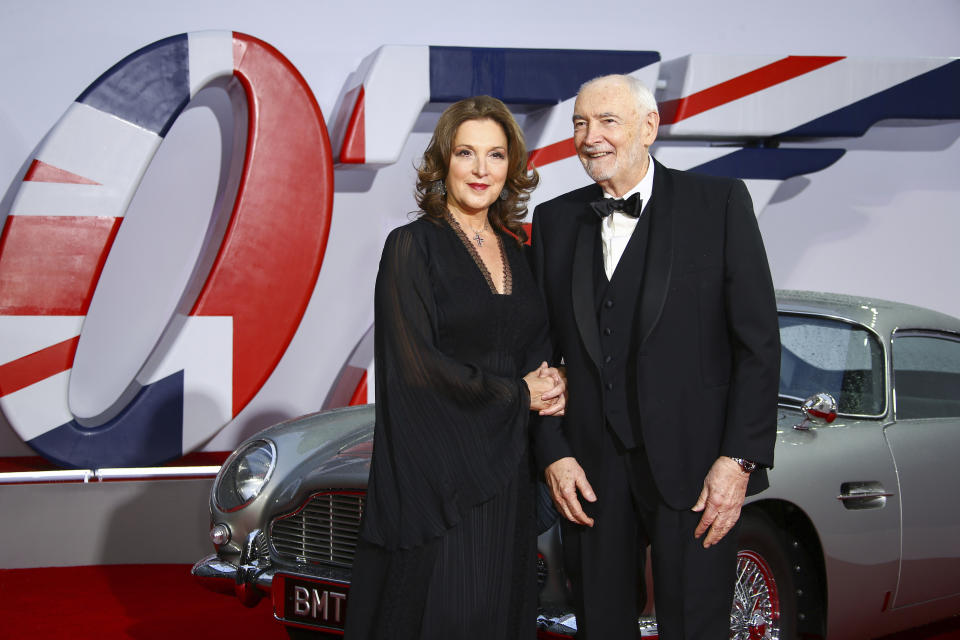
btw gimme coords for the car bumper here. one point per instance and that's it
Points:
(249, 583)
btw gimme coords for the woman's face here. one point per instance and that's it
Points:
(478, 166)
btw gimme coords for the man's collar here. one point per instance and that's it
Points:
(644, 187)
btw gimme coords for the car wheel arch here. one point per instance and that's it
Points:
(789, 524)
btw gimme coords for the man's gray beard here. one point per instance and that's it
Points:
(636, 159)
(595, 175)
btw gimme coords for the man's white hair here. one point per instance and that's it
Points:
(644, 97)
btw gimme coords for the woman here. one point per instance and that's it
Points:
(447, 545)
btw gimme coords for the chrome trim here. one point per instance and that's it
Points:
(322, 530)
(213, 567)
(822, 403)
(925, 333)
(865, 494)
(107, 474)
(150, 473)
(220, 534)
(564, 623)
(264, 580)
(252, 572)
(231, 460)
(222, 577)
(30, 477)
(784, 308)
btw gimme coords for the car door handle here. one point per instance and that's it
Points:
(863, 495)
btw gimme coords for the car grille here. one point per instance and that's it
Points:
(324, 530)
(261, 552)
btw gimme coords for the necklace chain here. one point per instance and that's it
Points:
(478, 233)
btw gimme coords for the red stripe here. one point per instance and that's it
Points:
(528, 227)
(39, 365)
(200, 459)
(22, 464)
(353, 149)
(43, 172)
(360, 394)
(264, 290)
(553, 153)
(673, 111)
(49, 265)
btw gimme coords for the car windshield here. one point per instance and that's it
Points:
(831, 356)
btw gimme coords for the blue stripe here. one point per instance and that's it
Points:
(524, 76)
(770, 164)
(149, 431)
(932, 95)
(149, 88)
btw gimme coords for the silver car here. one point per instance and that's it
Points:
(858, 535)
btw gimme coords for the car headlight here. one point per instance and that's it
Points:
(244, 474)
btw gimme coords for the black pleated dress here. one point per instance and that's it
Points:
(448, 542)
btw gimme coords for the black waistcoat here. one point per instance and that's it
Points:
(617, 302)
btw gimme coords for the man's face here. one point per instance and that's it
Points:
(611, 137)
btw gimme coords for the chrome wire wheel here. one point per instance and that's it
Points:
(756, 603)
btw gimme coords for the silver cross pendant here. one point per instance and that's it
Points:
(478, 239)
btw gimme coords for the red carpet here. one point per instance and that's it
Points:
(152, 602)
(145, 602)
(945, 630)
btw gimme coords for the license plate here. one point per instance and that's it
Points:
(317, 603)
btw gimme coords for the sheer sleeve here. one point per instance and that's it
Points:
(540, 348)
(448, 434)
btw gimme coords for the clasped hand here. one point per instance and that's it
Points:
(548, 390)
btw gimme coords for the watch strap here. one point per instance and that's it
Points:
(747, 466)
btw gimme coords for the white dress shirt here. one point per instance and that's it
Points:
(616, 229)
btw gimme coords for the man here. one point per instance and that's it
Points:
(664, 314)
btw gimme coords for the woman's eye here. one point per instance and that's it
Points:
(463, 152)
(499, 155)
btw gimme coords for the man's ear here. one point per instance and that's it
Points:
(651, 124)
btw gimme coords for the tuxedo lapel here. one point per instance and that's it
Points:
(659, 262)
(582, 285)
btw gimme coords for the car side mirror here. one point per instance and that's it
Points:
(820, 408)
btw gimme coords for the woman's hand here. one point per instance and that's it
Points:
(548, 390)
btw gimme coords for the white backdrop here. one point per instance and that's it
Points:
(877, 223)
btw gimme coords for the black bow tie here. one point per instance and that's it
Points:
(631, 206)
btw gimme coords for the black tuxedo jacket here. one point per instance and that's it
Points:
(706, 354)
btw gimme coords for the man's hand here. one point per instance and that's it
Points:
(724, 491)
(565, 477)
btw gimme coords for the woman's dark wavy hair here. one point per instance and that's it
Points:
(504, 214)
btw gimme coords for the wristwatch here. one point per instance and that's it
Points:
(746, 465)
